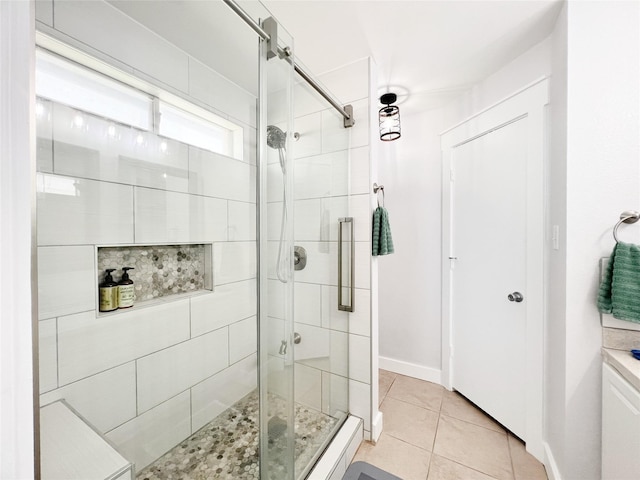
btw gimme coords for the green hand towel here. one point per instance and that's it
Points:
(619, 292)
(382, 243)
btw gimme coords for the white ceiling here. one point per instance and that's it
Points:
(428, 50)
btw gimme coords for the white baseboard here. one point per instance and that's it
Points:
(550, 463)
(411, 370)
(376, 427)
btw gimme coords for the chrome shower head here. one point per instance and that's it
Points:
(276, 138)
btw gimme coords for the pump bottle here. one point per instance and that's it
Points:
(108, 293)
(125, 289)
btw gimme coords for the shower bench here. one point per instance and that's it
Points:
(73, 450)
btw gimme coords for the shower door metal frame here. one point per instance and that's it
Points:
(274, 50)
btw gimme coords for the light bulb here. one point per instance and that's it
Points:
(111, 131)
(39, 109)
(163, 146)
(139, 139)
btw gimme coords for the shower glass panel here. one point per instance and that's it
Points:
(320, 192)
(146, 156)
(275, 172)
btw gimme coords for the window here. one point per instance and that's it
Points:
(71, 84)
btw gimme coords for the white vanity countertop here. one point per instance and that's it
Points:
(624, 363)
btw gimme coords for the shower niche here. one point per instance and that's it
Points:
(159, 272)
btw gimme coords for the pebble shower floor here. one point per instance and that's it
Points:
(227, 447)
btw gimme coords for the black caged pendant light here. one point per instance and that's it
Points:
(389, 118)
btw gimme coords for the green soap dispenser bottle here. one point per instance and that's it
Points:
(125, 290)
(108, 293)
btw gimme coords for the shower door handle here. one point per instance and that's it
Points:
(346, 307)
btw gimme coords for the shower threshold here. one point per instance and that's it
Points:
(227, 447)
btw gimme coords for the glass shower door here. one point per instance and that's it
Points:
(304, 207)
(275, 267)
(323, 273)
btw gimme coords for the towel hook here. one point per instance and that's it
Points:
(377, 188)
(628, 216)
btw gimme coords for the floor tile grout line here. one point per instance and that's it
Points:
(406, 442)
(386, 391)
(413, 404)
(503, 432)
(513, 467)
(466, 466)
(435, 435)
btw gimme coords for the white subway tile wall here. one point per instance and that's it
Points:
(214, 89)
(215, 175)
(229, 303)
(147, 377)
(101, 149)
(88, 344)
(335, 394)
(134, 45)
(148, 436)
(168, 372)
(243, 339)
(94, 212)
(308, 386)
(48, 355)
(106, 400)
(163, 216)
(44, 127)
(233, 262)
(360, 400)
(307, 307)
(214, 395)
(66, 280)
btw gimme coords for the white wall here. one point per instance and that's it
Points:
(603, 179)
(555, 334)
(409, 279)
(17, 166)
(410, 169)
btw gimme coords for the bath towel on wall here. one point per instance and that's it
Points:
(382, 243)
(619, 292)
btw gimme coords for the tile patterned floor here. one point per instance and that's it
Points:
(227, 447)
(433, 434)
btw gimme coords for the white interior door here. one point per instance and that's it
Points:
(493, 255)
(489, 239)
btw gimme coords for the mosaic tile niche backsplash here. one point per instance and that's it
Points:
(159, 270)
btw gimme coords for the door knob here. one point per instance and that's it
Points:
(515, 297)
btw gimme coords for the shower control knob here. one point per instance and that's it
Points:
(515, 297)
(299, 258)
